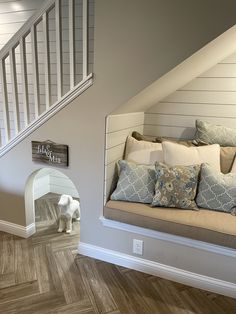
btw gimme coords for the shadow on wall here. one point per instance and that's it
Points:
(42, 192)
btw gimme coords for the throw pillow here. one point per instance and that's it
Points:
(136, 183)
(143, 152)
(176, 186)
(160, 139)
(139, 137)
(227, 158)
(216, 190)
(212, 134)
(233, 169)
(177, 154)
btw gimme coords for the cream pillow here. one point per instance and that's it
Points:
(177, 154)
(143, 152)
(233, 169)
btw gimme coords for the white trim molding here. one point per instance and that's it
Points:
(200, 245)
(160, 270)
(18, 230)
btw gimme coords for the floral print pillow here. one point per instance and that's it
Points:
(176, 186)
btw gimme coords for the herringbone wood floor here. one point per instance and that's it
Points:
(44, 274)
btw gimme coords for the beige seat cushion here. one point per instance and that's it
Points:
(204, 225)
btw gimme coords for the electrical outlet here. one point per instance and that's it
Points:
(138, 247)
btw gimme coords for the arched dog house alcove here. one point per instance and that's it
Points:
(41, 182)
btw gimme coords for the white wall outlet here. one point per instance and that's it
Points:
(138, 247)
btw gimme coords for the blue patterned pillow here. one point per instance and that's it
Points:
(136, 183)
(217, 191)
(176, 186)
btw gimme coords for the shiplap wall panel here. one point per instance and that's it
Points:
(118, 127)
(185, 120)
(13, 14)
(116, 138)
(225, 111)
(115, 153)
(52, 54)
(169, 131)
(202, 97)
(211, 84)
(210, 97)
(221, 70)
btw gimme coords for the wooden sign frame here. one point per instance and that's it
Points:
(50, 153)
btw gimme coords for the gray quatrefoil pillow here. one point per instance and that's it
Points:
(209, 133)
(136, 183)
(217, 191)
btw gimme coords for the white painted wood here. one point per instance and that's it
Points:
(170, 131)
(230, 59)
(46, 5)
(161, 270)
(118, 127)
(14, 91)
(17, 6)
(35, 70)
(173, 120)
(6, 18)
(71, 43)
(26, 76)
(85, 38)
(58, 47)
(66, 99)
(5, 100)
(18, 230)
(46, 60)
(41, 186)
(202, 97)
(116, 138)
(217, 84)
(206, 110)
(107, 189)
(110, 169)
(221, 70)
(124, 121)
(114, 153)
(24, 81)
(210, 97)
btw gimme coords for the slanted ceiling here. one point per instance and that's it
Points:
(200, 62)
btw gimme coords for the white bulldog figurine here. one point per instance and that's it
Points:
(69, 209)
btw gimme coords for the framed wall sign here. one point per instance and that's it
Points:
(50, 153)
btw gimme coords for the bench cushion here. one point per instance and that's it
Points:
(204, 225)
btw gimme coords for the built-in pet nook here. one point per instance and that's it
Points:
(43, 192)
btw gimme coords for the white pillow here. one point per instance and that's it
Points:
(233, 169)
(177, 154)
(143, 152)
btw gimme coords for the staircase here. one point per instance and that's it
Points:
(44, 66)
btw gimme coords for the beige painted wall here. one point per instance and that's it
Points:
(136, 42)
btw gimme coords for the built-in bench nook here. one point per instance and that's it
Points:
(210, 226)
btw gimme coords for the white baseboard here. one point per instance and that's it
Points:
(18, 230)
(160, 270)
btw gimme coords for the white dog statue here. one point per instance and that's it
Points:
(69, 209)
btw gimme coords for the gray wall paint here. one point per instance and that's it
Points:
(136, 42)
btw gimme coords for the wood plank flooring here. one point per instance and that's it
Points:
(44, 274)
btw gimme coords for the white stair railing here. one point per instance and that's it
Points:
(42, 67)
